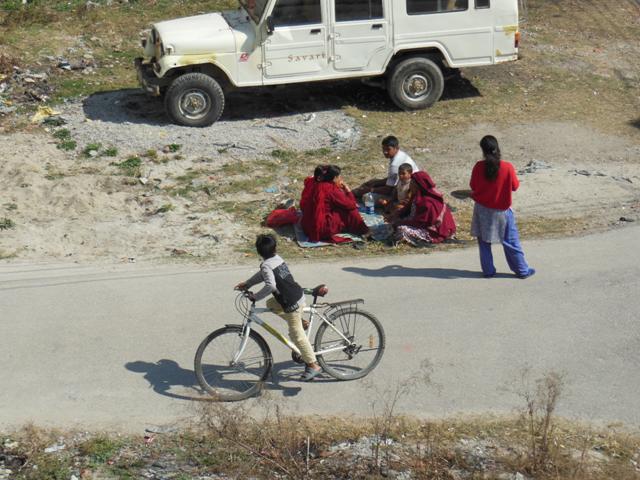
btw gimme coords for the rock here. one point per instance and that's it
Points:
(627, 219)
(160, 429)
(623, 179)
(54, 448)
(533, 166)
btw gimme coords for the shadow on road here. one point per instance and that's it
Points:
(400, 271)
(134, 106)
(165, 375)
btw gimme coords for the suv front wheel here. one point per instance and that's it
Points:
(194, 100)
(415, 83)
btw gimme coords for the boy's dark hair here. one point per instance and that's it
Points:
(266, 246)
(390, 141)
(405, 167)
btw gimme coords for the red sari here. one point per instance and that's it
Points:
(328, 210)
(428, 210)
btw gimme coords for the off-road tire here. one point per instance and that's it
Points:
(415, 83)
(194, 100)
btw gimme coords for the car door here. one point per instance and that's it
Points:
(360, 34)
(297, 45)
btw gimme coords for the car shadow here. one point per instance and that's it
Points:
(400, 271)
(165, 375)
(136, 107)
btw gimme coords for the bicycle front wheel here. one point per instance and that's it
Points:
(353, 344)
(226, 377)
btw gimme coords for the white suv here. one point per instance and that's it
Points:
(408, 44)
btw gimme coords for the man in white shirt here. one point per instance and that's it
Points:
(383, 187)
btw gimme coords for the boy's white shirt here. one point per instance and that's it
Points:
(394, 164)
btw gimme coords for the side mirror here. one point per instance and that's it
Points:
(270, 25)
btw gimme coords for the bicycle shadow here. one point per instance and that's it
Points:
(400, 271)
(165, 375)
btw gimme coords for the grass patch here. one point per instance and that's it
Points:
(10, 206)
(92, 147)
(130, 166)
(110, 152)
(283, 154)
(6, 223)
(67, 145)
(167, 207)
(62, 134)
(100, 449)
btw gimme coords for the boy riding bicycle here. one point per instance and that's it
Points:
(287, 301)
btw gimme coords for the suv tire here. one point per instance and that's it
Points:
(194, 100)
(415, 83)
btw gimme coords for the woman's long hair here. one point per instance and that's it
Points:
(331, 172)
(491, 152)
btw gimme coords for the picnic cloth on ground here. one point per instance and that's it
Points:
(380, 231)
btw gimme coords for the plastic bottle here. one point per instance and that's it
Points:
(369, 204)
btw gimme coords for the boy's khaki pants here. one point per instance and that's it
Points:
(296, 332)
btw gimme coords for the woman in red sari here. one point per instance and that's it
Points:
(329, 207)
(429, 220)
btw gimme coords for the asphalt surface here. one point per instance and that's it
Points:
(112, 347)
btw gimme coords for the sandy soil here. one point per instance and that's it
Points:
(63, 210)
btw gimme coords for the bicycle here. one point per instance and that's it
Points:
(233, 362)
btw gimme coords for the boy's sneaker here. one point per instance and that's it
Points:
(309, 373)
(530, 273)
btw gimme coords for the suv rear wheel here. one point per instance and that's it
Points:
(415, 83)
(194, 100)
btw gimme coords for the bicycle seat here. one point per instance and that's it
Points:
(320, 291)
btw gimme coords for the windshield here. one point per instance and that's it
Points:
(255, 8)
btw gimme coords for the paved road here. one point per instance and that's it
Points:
(112, 347)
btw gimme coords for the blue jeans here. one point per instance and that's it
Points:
(512, 250)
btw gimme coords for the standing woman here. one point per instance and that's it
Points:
(492, 181)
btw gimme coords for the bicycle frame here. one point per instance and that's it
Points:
(312, 311)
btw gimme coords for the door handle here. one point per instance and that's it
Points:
(315, 31)
(376, 26)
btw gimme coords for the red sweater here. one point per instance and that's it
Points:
(494, 193)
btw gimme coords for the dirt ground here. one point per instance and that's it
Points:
(63, 210)
(566, 114)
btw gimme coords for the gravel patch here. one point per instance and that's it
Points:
(255, 125)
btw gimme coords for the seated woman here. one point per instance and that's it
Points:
(329, 207)
(428, 219)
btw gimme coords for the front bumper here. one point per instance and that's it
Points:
(147, 78)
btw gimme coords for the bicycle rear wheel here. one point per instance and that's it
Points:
(224, 379)
(362, 350)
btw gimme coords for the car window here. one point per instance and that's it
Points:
(418, 7)
(348, 10)
(296, 12)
